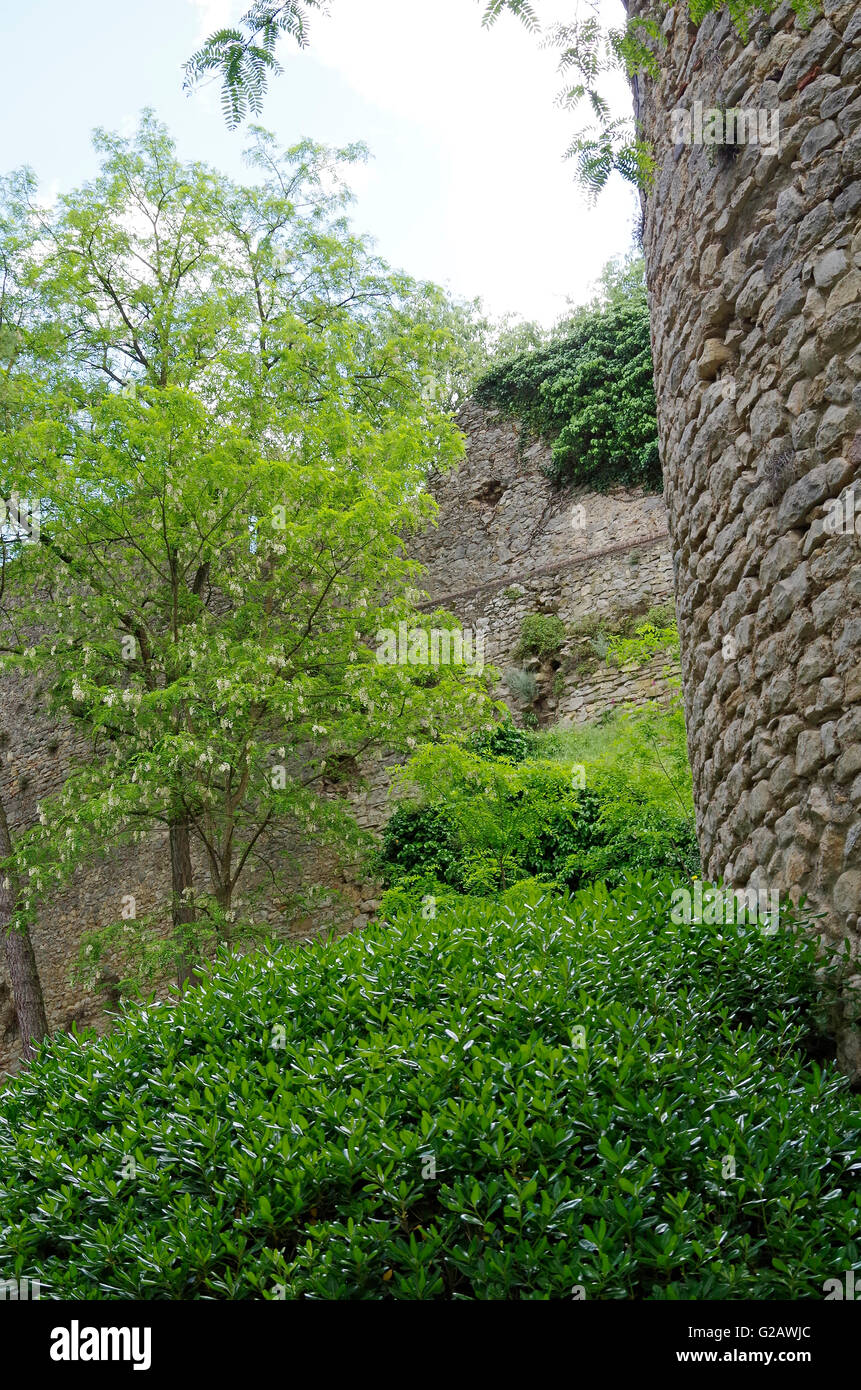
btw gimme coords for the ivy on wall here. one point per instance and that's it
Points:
(591, 394)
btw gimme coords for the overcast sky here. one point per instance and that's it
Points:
(467, 186)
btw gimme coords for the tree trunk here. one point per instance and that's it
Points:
(20, 960)
(182, 905)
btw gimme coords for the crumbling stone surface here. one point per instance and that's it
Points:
(508, 543)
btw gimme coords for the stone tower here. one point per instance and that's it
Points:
(753, 255)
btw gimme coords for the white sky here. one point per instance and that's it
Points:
(512, 226)
(467, 186)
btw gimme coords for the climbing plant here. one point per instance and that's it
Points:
(592, 395)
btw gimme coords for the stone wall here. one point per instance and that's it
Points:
(753, 259)
(504, 547)
(508, 544)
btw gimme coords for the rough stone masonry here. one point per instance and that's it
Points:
(753, 257)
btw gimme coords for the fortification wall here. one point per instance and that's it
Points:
(753, 258)
(508, 544)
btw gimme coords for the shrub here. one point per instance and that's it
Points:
(632, 835)
(415, 893)
(623, 638)
(662, 614)
(522, 685)
(506, 822)
(503, 741)
(421, 841)
(541, 635)
(408, 1113)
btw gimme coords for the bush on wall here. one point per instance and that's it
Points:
(592, 395)
(541, 635)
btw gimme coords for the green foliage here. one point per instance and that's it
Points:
(522, 8)
(743, 11)
(422, 841)
(642, 750)
(497, 1103)
(468, 339)
(622, 282)
(502, 741)
(588, 52)
(541, 635)
(235, 440)
(630, 835)
(485, 823)
(418, 894)
(630, 638)
(647, 640)
(504, 815)
(244, 58)
(592, 394)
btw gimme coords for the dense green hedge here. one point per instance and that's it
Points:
(431, 1127)
(592, 394)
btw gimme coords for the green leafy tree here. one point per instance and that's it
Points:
(18, 325)
(621, 285)
(228, 426)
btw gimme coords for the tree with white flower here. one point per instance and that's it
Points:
(219, 545)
